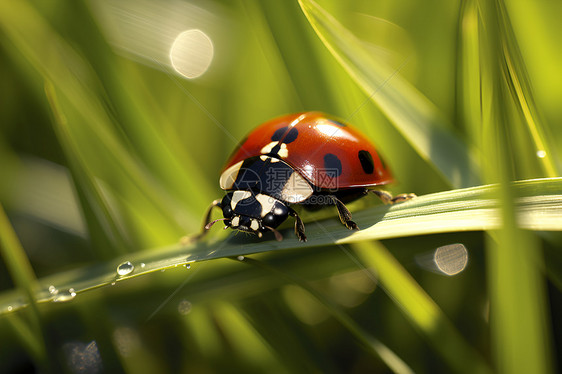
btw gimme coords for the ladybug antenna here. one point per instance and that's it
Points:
(210, 224)
(278, 235)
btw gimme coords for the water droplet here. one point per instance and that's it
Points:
(9, 308)
(113, 283)
(451, 259)
(125, 268)
(240, 258)
(184, 307)
(188, 266)
(143, 264)
(541, 153)
(64, 296)
(53, 290)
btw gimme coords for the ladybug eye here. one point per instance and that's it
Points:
(269, 220)
(227, 211)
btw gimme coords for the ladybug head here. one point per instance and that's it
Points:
(253, 212)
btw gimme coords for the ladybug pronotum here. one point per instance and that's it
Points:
(308, 158)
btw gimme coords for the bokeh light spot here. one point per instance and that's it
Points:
(541, 153)
(191, 53)
(451, 259)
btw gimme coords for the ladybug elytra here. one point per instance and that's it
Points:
(309, 159)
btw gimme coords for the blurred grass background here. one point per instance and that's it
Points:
(107, 151)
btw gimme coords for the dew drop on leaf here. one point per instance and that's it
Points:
(125, 268)
(65, 296)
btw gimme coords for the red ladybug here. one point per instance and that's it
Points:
(310, 159)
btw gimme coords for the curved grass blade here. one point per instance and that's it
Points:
(532, 150)
(519, 321)
(28, 331)
(418, 120)
(519, 86)
(539, 207)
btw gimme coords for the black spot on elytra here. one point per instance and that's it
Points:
(332, 165)
(291, 136)
(366, 160)
(278, 134)
(284, 136)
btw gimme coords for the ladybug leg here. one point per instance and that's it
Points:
(299, 225)
(343, 213)
(387, 198)
(403, 197)
(216, 203)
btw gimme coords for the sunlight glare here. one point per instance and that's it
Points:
(191, 53)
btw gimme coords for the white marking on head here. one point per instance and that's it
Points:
(266, 149)
(235, 221)
(266, 202)
(237, 196)
(228, 177)
(283, 151)
(296, 189)
(254, 224)
(271, 159)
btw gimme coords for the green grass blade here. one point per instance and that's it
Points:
(246, 341)
(29, 338)
(519, 85)
(469, 75)
(418, 120)
(538, 207)
(518, 319)
(518, 308)
(15, 257)
(23, 276)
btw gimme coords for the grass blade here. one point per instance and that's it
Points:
(24, 278)
(538, 207)
(517, 294)
(414, 116)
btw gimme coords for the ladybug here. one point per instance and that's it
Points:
(310, 159)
